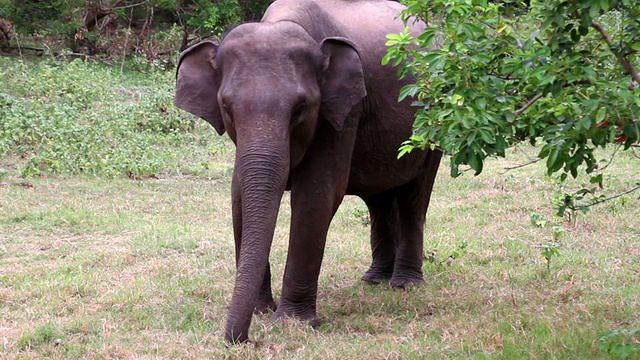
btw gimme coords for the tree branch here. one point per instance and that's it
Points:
(507, 168)
(27, 48)
(626, 64)
(574, 208)
(528, 105)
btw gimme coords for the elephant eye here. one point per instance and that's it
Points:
(297, 111)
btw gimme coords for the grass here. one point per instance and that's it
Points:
(104, 265)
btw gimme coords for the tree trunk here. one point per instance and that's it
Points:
(5, 28)
(92, 15)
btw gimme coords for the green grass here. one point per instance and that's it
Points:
(101, 264)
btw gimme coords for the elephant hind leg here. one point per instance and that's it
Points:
(413, 200)
(385, 228)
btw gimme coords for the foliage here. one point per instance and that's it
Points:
(557, 74)
(459, 251)
(619, 343)
(44, 334)
(82, 117)
(362, 215)
(214, 18)
(122, 27)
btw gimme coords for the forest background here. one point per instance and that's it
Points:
(116, 28)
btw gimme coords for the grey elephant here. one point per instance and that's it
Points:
(304, 97)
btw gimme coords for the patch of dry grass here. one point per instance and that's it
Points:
(95, 268)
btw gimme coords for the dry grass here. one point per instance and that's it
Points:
(97, 268)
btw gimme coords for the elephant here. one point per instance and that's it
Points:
(311, 110)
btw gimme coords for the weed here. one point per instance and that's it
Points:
(362, 215)
(620, 343)
(455, 254)
(538, 220)
(47, 333)
(549, 251)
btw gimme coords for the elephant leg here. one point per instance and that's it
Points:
(413, 200)
(265, 301)
(318, 186)
(310, 219)
(385, 228)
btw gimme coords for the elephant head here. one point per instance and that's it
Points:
(269, 86)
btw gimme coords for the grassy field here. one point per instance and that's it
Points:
(116, 262)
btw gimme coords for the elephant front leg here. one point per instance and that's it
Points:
(264, 302)
(385, 228)
(309, 225)
(312, 207)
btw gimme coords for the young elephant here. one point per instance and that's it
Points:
(310, 108)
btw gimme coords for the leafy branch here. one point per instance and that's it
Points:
(475, 66)
(602, 200)
(623, 60)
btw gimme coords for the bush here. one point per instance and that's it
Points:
(82, 117)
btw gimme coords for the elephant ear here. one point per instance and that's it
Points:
(197, 83)
(342, 84)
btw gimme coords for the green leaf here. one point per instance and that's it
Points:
(596, 180)
(407, 90)
(457, 99)
(481, 102)
(476, 163)
(552, 159)
(594, 10)
(600, 115)
(486, 136)
(387, 57)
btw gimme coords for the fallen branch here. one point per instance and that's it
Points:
(27, 48)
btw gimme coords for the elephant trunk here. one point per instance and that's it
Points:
(263, 171)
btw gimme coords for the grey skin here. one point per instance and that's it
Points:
(310, 108)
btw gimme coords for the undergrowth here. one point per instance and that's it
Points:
(85, 118)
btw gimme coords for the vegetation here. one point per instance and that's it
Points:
(80, 117)
(116, 237)
(149, 28)
(119, 244)
(558, 74)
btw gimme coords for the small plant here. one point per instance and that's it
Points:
(619, 342)
(363, 216)
(47, 333)
(458, 252)
(538, 220)
(549, 251)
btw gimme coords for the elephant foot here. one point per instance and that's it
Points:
(403, 281)
(300, 312)
(373, 277)
(378, 274)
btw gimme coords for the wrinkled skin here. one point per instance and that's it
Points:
(303, 96)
